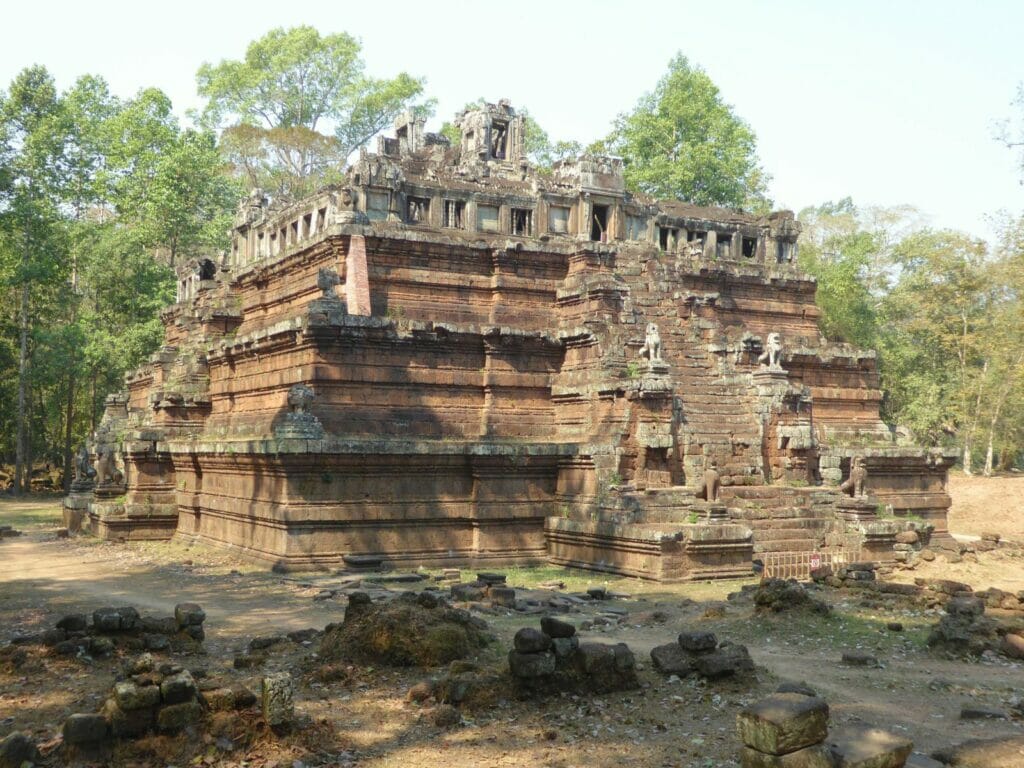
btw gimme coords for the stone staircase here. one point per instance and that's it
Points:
(782, 519)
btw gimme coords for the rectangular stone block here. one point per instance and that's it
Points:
(817, 756)
(871, 748)
(783, 723)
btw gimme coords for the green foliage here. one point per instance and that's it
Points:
(683, 141)
(297, 105)
(839, 254)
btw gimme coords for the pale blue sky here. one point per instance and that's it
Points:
(889, 102)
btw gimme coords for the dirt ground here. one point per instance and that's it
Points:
(982, 504)
(365, 719)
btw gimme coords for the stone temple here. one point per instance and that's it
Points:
(453, 358)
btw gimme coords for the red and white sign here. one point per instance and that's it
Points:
(815, 561)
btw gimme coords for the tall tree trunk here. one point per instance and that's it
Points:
(21, 444)
(69, 417)
(969, 439)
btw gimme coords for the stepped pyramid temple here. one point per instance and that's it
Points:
(452, 358)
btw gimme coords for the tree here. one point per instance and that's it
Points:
(293, 85)
(683, 141)
(838, 252)
(32, 144)
(938, 331)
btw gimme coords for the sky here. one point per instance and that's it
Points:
(890, 103)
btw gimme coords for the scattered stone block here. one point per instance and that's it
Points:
(859, 659)
(1013, 646)
(983, 713)
(490, 579)
(106, 620)
(84, 729)
(503, 596)
(816, 756)
(469, 593)
(802, 688)
(74, 622)
(278, 699)
(531, 665)
(130, 696)
(556, 628)
(698, 642)
(726, 661)
(178, 688)
(219, 699)
(783, 723)
(176, 717)
(871, 748)
(530, 640)
(1002, 752)
(127, 723)
(18, 748)
(188, 615)
(671, 659)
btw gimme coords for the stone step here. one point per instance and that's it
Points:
(785, 545)
(786, 534)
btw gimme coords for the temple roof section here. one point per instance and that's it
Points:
(486, 186)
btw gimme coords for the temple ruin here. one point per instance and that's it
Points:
(453, 358)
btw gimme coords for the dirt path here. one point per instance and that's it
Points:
(42, 578)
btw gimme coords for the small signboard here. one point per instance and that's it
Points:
(815, 561)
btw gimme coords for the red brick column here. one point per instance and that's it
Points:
(357, 281)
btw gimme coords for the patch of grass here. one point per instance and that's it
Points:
(31, 512)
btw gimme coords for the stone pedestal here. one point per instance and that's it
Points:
(858, 509)
(75, 508)
(710, 511)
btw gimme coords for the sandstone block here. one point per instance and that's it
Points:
(1013, 646)
(178, 688)
(553, 627)
(907, 537)
(16, 749)
(530, 640)
(219, 699)
(278, 699)
(84, 729)
(698, 642)
(564, 647)
(130, 696)
(783, 723)
(127, 723)
(74, 622)
(529, 665)
(176, 717)
(871, 748)
(106, 620)
(189, 615)
(503, 596)
(671, 659)
(724, 662)
(817, 756)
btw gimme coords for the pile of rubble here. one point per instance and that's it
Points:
(700, 653)
(410, 629)
(965, 630)
(166, 698)
(779, 595)
(106, 629)
(553, 660)
(791, 729)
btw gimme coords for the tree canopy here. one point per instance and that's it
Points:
(683, 141)
(297, 105)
